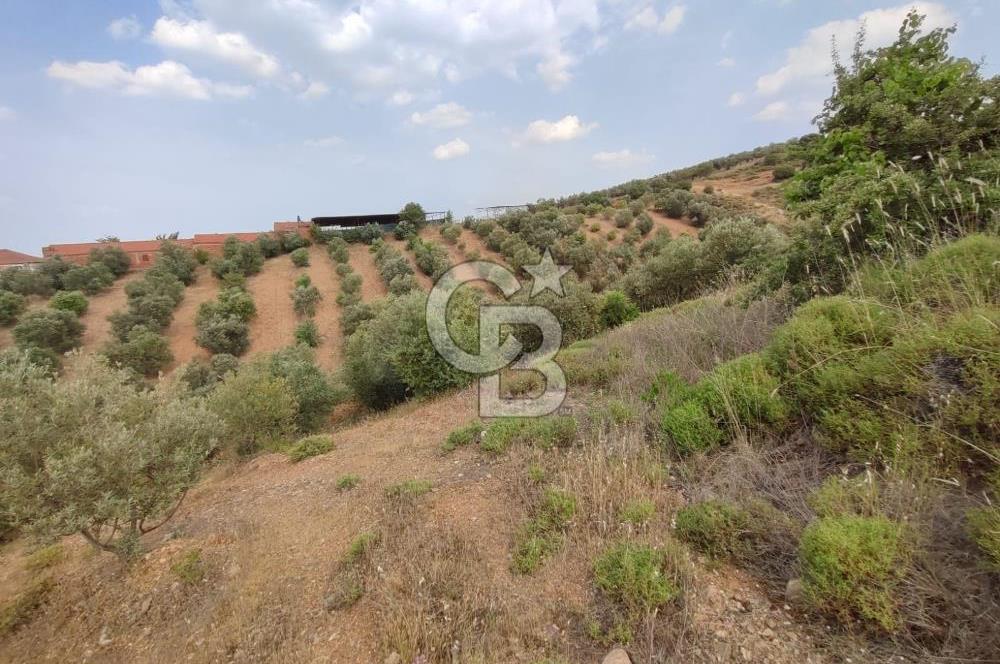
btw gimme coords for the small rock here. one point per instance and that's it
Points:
(793, 591)
(394, 658)
(617, 656)
(104, 639)
(146, 603)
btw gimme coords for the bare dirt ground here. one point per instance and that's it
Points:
(751, 183)
(274, 325)
(182, 331)
(95, 319)
(676, 227)
(362, 261)
(270, 534)
(321, 271)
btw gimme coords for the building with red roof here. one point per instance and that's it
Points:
(11, 258)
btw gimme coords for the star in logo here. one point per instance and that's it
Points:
(547, 275)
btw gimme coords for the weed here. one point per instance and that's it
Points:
(636, 577)
(544, 432)
(22, 608)
(45, 557)
(347, 482)
(637, 512)
(714, 528)
(543, 534)
(408, 490)
(310, 446)
(462, 436)
(190, 568)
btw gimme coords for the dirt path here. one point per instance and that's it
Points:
(676, 227)
(102, 305)
(475, 243)
(362, 261)
(274, 325)
(750, 183)
(324, 277)
(182, 331)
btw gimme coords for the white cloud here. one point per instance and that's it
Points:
(621, 158)
(451, 150)
(315, 90)
(168, 79)
(776, 110)
(726, 38)
(379, 46)
(201, 37)
(126, 27)
(726, 62)
(810, 61)
(566, 129)
(554, 70)
(443, 116)
(401, 98)
(736, 99)
(647, 19)
(7, 113)
(323, 142)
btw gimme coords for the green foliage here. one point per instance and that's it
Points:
(852, 567)
(715, 528)
(54, 329)
(431, 258)
(544, 532)
(310, 446)
(623, 219)
(644, 223)
(242, 258)
(189, 568)
(636, 577)
(465, 435)
(408, 490)
(45, 557)
(315, 395)
(637, 512)
(20, 610)
(112, 257)
(544, 432)
(91, 453)
(144, 352)
(300, 257)
(74, 301)
(617, 309)
(12, 305)
(337, 249)
(223, 334)
(269, 245)
(256, 407)
(783, 172)
(307, 333)
(690, 428)
(201, 376)
(292, 242)
(414, 214)
(91, 279)
(451, 233)
(305, 299)
(178, 261)
(984, 526)
(347, 482)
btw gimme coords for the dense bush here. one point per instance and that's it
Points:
(74, 301)
(92, 454)
(413, 213)
(644, 223)
(637, 577)
(852, 567)
(315, 395)
(337, 249)
(59, 331)
(91, 279)
(623, 219)
(617, 309)
(220, 333)
(307, 333)
(112, 257)
(12, 305)
(310, 446)
(201, 376)
(431, 258)
(451, 233)
(305, 299)
(300, 257)
(257, 408)
(783, 172)
(543, 432)
(244, 258)
(143, 351)
(292, 242)
(270, 246)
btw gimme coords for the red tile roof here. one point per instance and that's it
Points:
(10, 257)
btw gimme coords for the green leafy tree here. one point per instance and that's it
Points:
(12, 305)
(92, 454)
(59, 331)
(113, 257)
(74, 301)
(257, 407)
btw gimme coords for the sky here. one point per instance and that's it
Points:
(134, 118)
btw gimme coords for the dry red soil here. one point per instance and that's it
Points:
(363, 263)
(321, 271)
(182, 331)
(95, 320)
(274, 325)
(750, 184)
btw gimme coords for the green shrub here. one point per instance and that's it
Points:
(783, 172)
(543, 534)
(144, 351)
(201, 376)
(12, 305)
(595, 227)
(300, 257)
(269, 245)
(644, 223)
(623, 219)
(45, 557)
(636, 577)
(674, 204)
(310, 446)
(637, 512)
(544, 432)
(257, 408)
(852, 567)
(178, 261)
(223, 334)
(984, 525)
(20, 610)
(189, 568)
(292, 242)
(617, 309)
(307, 333)
(315, 395)
(91, 279)
(74, 301)
(347, 482)
(352, 315)
(351, 283)
(59, 331)
(689, 428)
(91, 453)
(112, 257)
(304, 300)
(743, 389)
(236, 302)
(717, 529)
(462, 436)
(408, 490)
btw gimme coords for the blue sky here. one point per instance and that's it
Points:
(133, 118)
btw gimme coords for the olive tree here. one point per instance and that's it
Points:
(93, 454)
